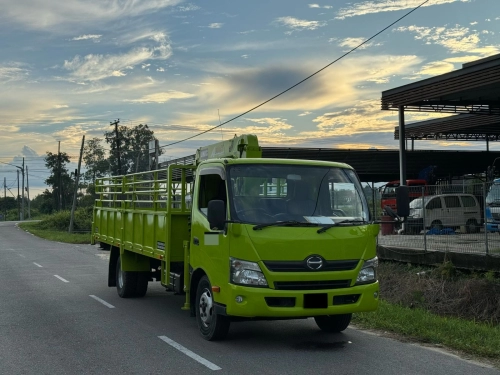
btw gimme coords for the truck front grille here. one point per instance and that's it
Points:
(311, 285)
(301, 266)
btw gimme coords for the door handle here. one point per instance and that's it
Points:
(196, 241)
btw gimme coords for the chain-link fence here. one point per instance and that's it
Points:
(460, 217)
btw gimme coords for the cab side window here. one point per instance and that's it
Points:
(211, 187)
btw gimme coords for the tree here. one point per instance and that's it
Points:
(60, 180)
(94, 158)
(44, 203)
(133, 144)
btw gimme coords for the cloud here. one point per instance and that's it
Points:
(436, 68)
(161, 97)
(236, 90)
(215, 25)
(42, 14)
(371, 7)
(13, 72)
(318, 6)
(298, 25)
(354, 42)
(456, 39)
(87, 37)
(187, 8)
(97, 67)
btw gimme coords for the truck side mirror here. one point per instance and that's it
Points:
(216, 213)
(403, 201)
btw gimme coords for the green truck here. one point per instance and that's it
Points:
(243, 237)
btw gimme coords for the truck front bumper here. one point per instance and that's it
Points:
(270, 303)
(492, 226)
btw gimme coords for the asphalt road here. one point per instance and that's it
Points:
(57, 316)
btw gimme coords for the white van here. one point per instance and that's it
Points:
(444, 211)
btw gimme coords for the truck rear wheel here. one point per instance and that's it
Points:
(142, 284)
(212, 325)
(333, 323)
(126, 281)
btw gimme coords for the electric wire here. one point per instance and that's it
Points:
(298, 83)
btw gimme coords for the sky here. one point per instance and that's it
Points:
(70, 68)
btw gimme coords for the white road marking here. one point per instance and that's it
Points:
(189, 353)
(21, 255)
(60, 278)
(102, 301)
(38, 265)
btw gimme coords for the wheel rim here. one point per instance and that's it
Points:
(120, 277)
(206, 308)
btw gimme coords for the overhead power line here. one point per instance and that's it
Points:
(302, 81)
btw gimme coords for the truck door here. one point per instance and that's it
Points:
(209, 248)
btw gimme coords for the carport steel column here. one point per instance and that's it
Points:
(402, 146)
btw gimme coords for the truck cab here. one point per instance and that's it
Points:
(416, 188)
(492, 209)
(283, 238)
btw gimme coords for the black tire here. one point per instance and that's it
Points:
(126, 281)
(333, 323)
(437, 224)
(142, 284)
(212, 326)
(471, 226)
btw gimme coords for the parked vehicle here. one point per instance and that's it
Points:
(388, 197)
(492, 209)
(250, 238)
(444, 211)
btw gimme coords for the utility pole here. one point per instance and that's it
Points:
(77, 180)
(28, 192)
(18, 209)
(22, 194)
(59, 171)
(154, 152)
(5, 198)
(117, 141)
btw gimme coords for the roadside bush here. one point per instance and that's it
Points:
(60, 220)
(442, 290)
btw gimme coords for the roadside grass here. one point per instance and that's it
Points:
(55, 235)
(479, 340)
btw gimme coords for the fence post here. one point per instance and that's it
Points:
(423, 217)
(484, 219)
(373, 200)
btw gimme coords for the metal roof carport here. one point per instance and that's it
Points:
(471, 93)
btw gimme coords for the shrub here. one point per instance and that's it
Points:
(60, 220)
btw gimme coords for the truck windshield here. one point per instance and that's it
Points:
(493, 197)
(268, 193)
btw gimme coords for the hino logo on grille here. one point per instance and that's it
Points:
(314, 262)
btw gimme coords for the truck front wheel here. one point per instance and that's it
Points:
(333, 323)
(212, 325)
(126, 281)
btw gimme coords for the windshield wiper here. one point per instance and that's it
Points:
(339, 223)
(286, 223)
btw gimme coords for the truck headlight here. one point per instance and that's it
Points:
(368, 273)
(246, 273)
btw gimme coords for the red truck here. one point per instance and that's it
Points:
(389, 192)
